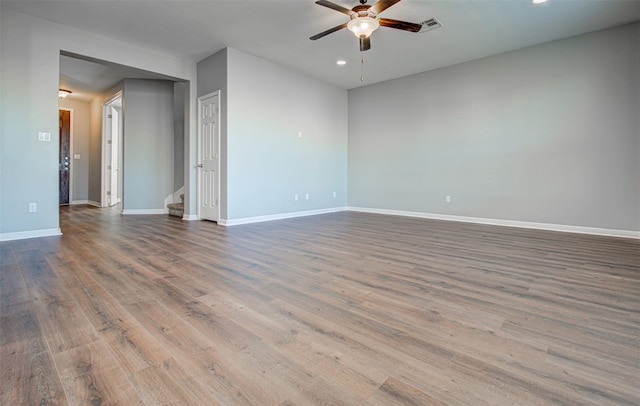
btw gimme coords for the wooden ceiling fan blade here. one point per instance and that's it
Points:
(365, 44)
(335, 7)
(329, 31)
(382, 5)
(399, 25)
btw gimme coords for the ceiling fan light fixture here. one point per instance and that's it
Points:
(363, 27)
(62, 93)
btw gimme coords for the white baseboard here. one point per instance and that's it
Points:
(89, 202)
(247, 220)
(281, 216)
(22, 235)
(144, 211)
(506, 223)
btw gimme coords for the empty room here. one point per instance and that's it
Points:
(333, 202)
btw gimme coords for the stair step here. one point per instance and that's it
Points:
(176, 209)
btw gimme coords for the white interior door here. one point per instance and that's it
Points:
(208, 156)
(114, 162)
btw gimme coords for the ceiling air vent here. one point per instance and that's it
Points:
(430, 24)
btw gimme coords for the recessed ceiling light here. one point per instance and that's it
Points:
(341, 62)
(538, 1)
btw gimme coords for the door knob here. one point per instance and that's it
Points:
(199, 165)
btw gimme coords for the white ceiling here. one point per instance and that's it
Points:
(279, 31)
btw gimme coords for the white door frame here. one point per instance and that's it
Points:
(198, 150)
(114, 117)
(106, 130)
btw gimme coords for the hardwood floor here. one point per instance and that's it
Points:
(338, 309)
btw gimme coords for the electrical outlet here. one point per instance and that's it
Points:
(334, 194)
(295, 197)
(447, 199)
(33, 207)
(306, 196)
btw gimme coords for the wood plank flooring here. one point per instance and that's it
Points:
(338, 309)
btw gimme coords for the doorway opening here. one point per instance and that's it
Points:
(95, 81)
(112, 118)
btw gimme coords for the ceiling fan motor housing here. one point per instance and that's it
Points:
(362, 11)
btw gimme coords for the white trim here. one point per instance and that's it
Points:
(281, 216)
(105, 127)
(92, 203)
(190, 217)
(218, 94)
(506, 223)
(118, 94)
(145, 211)
(79, 202)
(22, 235)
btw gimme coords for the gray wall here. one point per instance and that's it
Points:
(548, 134)
(27, 73)
(267, 163)
(80, 126)
(179, 89)
(264, 163)
(156, 149)
(148, 143)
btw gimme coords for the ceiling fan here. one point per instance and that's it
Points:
(363, 20)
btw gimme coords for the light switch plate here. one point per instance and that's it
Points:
(44, 136)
